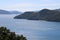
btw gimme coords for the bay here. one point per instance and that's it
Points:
(32, 29)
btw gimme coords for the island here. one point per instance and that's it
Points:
(44, 14)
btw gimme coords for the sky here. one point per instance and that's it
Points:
(29, 5)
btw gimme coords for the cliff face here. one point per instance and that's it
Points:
(45, 14)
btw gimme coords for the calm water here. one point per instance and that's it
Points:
(33, 30)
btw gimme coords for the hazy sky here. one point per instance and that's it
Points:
(29, 5)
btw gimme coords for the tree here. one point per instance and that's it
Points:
(6, 34)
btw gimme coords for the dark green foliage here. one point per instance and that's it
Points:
(6, 34)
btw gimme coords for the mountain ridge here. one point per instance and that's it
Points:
(44, 14)
(9, 12)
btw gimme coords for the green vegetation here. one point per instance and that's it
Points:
(6, 34)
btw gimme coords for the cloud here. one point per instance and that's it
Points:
(21, 5)
(31, 6)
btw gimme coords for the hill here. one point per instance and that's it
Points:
(44, 14)
(4, 12)
(9, 12)
(15, 12)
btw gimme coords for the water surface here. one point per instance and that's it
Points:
(33, 30)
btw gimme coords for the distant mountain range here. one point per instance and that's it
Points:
(4, 12)
(15, 12)
(9, 12)
(44, 14)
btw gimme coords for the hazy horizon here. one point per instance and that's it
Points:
(29, 5)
